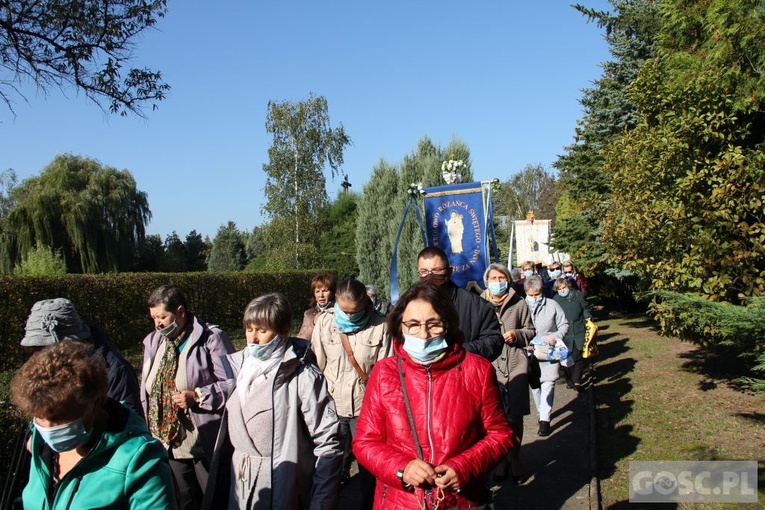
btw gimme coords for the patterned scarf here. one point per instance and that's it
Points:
(163, 414)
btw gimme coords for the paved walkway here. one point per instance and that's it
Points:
(557, 466)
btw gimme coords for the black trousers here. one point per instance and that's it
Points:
(190, 477)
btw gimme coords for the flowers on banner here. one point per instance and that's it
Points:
(452, 170)
(415, 190)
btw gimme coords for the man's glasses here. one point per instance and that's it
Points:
(432, 327)
(438, 272)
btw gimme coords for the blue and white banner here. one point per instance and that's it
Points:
(455, 221)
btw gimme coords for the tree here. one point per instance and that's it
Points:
(41, 261)
(174, 260)
(584, 184)
(338, 236)
(383, 203)
(94, 214)
(86, 44)
(691, 176)
(227, 253)
(8, 181)
(531, 189)
(197, 251)
(375, 226)
(303, 143)
(150, 254)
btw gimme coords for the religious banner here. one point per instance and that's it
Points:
(531, 238)
(455, 221)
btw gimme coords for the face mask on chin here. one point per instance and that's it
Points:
(263, 352)
(348, 323)
(170, 331)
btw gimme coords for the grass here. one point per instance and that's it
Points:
(658, 399)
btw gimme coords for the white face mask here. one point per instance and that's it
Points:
(533, 301)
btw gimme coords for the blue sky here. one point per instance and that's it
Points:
(503, 76)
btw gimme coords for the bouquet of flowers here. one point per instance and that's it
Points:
(452, 170)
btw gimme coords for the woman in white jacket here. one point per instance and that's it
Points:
(551, 325)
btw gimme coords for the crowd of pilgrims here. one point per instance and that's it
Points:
(427, 396)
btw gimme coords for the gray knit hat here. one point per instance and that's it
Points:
(53, 320)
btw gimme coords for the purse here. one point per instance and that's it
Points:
(534, 371)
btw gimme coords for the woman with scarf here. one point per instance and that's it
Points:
(512, 365)
(348, 340)
(432, 424)
(551, 325)
(279, 444)
(184, 388)
(322, 297)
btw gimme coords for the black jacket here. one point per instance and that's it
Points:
(123, 382)
(478, 323)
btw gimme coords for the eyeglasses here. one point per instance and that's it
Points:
(438, 272)
(432, 326)
(567, 273)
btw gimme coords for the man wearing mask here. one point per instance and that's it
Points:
(477, 319)
(554, 272)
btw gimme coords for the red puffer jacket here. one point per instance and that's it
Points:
(459, 420)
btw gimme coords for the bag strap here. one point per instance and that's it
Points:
(408, 408)
(347, 346)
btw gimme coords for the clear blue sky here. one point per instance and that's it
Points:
(505, 77)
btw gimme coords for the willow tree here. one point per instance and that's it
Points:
(303, 144)
(94, 214)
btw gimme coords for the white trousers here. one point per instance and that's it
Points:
(543, 398)
(544, 395)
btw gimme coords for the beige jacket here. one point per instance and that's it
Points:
(369, 345)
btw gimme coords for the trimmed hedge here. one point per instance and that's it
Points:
(117, 302)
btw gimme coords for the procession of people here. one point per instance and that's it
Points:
(426, 395)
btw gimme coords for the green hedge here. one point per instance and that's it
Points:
(117, 302)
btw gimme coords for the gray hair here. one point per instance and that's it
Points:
(270, 311)
(560, 282)
(371, 289)
(496, 267)
(533, 282)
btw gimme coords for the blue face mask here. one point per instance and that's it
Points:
(564, 293)
(263, 352)
(427, 350)
(63, 438)
(528, 273)
(555, 273)
(350, 323)
(498, 288)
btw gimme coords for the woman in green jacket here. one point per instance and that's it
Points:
(87, 450)
(577, 311)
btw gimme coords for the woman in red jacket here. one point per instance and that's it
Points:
(431, 424)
